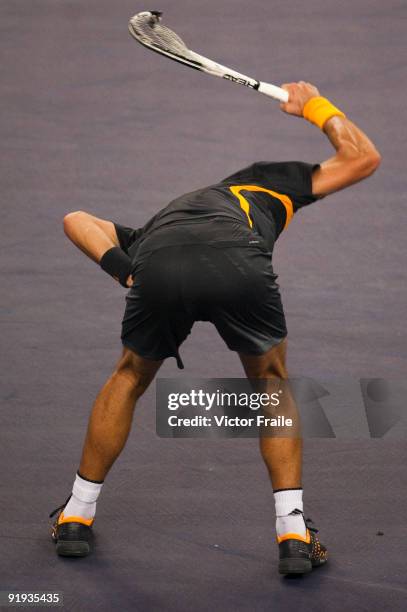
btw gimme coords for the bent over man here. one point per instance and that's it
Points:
(207, 256)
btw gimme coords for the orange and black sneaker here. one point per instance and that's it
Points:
(72, 534)
(299, 555)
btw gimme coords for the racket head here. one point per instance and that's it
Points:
(145, 27)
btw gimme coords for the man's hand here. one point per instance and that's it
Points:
(129, 281)
(299, 94)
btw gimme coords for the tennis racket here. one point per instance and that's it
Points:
(146, 28)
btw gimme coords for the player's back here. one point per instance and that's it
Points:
(260, 199)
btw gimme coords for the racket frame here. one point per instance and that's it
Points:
(204, 64)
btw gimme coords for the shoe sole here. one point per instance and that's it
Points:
(294, 566)
(72, 549)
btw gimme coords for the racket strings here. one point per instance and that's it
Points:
(150, 32)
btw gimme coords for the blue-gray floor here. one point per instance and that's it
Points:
(92, 121)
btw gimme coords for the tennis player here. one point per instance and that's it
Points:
(207, 257)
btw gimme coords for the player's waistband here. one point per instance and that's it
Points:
(219, 235)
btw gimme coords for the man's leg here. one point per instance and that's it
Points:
(108, 429)
(112, 414)
(299, 548)
(282, 455)
(282, 452)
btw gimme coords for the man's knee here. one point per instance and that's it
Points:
(137, 372)
(269, 365)
(275, 369)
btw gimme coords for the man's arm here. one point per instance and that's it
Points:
(93, 236)
(356, 156)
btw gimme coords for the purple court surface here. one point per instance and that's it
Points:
(90, 120)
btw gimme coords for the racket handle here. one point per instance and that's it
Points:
(273, 91)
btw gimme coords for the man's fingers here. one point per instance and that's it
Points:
(286, 87)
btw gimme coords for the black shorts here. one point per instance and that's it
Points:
(228, 282)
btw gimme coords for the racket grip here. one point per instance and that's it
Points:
(273, 91)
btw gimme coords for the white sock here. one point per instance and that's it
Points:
(286, 501)
(83, 498)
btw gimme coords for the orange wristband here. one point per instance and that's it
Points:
(318, 110)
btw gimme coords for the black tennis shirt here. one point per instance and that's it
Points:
(259, 199)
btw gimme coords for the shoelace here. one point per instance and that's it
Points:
(60, 507)
(307, 521)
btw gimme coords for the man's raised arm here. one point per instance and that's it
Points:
(356, 156)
